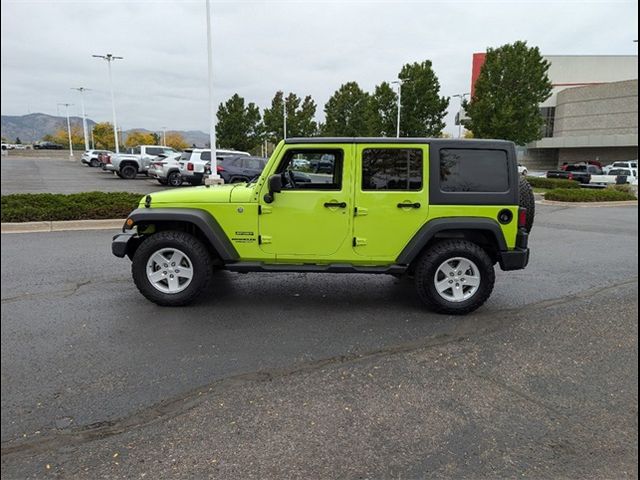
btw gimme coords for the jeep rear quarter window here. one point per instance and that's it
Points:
(479, 172)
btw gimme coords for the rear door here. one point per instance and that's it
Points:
(391, 197)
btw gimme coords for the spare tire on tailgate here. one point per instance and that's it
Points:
(528, 201)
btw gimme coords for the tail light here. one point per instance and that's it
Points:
(219, 169)
(522, 217)
(108, 158)
(190, 166)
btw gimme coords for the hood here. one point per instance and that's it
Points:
(205, 194)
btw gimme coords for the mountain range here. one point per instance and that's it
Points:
(32, 127)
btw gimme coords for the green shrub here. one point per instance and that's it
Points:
(37, 207)
(622, 188)
(588, 195)
(552, 183)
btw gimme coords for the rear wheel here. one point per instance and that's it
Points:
(94, 163)
(172, 268)
(174, 179)
(128, 172)
(454, 277)
(528, 201)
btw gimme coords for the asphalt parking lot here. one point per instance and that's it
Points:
(25, 174)
(323, 376)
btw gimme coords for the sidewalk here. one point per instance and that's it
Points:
(544, 392)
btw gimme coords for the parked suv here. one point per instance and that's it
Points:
(47, 146)
(244, 169)
(92, 157)
(166, 170)
(440, 211)
(137, 160)
(194, 163)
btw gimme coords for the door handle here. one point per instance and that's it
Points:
(409, 205)
(335, 204)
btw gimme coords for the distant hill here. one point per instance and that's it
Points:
(32, 127)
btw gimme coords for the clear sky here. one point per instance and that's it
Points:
(308, 47)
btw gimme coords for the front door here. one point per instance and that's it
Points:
(391, 198)
(310, 218)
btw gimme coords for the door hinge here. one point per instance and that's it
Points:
(359, 242)
(360, 212)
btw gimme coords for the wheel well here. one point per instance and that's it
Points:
(128, 162)
(483, 238)
(187, 227)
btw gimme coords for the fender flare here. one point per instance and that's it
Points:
(203, 220)
(430, 229)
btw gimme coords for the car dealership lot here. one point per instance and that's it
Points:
(81, 346)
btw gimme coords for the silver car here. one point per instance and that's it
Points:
(166, 170)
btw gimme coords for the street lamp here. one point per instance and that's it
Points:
(164, 136)
(110, 58)
(84, 116)
(67, 105)
(284, 115)
(461, 96)
(399, 82)
(214, 177)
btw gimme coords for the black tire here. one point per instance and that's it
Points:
(196, 181)
(128, 172)
(200, 259)
(94, 163)
(429, 264)
(528, 201)
(174, 179)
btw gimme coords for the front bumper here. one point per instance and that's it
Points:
(122, 243)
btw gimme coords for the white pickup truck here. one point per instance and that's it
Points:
(137, 160)
(616, 176)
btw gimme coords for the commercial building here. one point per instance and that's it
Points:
(592, 113)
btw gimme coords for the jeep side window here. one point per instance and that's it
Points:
(392, 169)
(312, 169)
(473, 170)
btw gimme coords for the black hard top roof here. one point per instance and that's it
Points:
(448, 141)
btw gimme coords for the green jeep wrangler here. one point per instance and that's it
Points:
(441, 211)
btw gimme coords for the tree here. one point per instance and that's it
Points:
(136, 138)
(512, 84)
(18, 141)
(422, 109)
(62, 137)
(103, 136)
(175, 140)
(300, 117)
(346, 112)
(238, 124)
(383, 111)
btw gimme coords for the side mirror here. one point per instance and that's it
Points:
(275, 186)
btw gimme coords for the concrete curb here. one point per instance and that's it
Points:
(63, 226)
(628, 203)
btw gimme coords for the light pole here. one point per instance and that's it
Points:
(284, 115)
(164, 136)
(214, 177)
(110, 58)
(399, 82)
(67, 105)
(84, 116)
(461, 96)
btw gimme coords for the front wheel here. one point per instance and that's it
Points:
(454, 277)
(172, 268)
